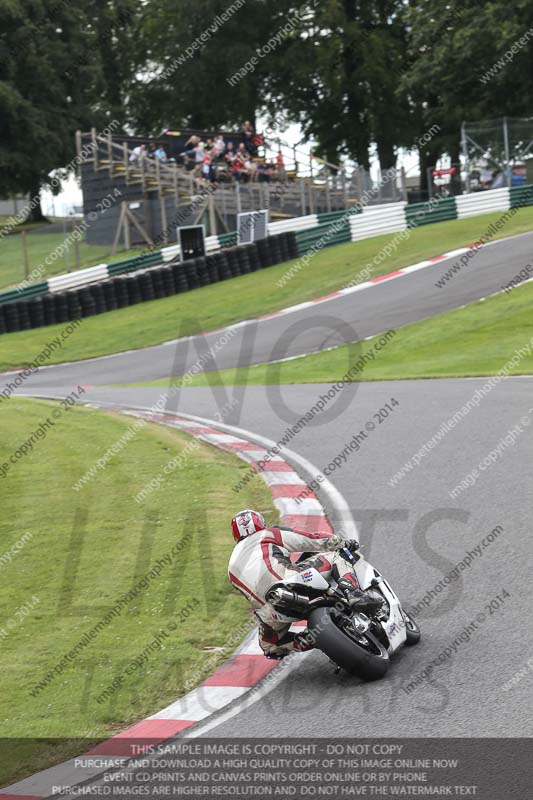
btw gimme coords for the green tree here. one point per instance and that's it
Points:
(192, 52)
(117, 26)
(452, 49)
(49, 79)
(339, 78)
(335, 71)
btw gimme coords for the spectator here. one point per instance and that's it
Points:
(230, 154)
(220, 159)
(199, 153)
(250, 169)
(192, 141)
(190, 146)
(265, 172)
(248, 134)
(220, 146)
(138, 152)
(258, 141)
(208, 167)
(262, 176)
(238, 169)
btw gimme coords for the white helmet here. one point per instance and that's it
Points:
(246, 523)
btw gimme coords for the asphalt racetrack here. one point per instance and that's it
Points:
(348, 318)
(415, 533)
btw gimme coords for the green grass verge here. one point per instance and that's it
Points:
(86, 549)
(245, 297)
(476, 340)
(42, 245)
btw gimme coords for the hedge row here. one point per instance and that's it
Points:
(52, 309)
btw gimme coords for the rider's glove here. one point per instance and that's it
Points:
(351, 544)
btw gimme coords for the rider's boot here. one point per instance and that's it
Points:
(359, 600)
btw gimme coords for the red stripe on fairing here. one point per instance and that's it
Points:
(324, 565)
(233, 578)
(149, 731)
(246, 670)
(307, 522)
(349, 576)
(386, 277)
(290, 490)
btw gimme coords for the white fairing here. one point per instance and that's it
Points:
(395, 625)
(311, 577)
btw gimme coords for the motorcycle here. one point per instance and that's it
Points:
(360, 643)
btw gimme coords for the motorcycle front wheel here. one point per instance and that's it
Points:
(412, 631)
(358, 653)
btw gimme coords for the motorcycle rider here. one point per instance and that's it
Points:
(261, 558)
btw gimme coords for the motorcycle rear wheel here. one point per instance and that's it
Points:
(360, 654)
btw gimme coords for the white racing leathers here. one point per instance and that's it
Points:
(260, 560)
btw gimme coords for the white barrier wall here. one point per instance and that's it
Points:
(373, 221)
(377, 220)
(74, 279)
(471, 205)
(294, 224)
